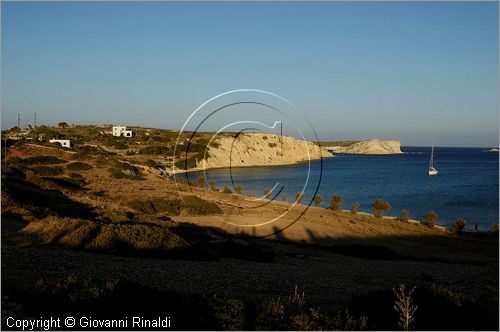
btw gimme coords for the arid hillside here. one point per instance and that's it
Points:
(102, 230)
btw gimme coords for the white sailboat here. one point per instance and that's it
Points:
(432, 170)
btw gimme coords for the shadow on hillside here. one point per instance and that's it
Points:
(42, 202)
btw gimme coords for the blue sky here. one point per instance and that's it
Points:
(418, 72)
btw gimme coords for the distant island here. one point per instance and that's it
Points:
(370, 147)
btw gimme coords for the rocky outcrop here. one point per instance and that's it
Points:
(373, 146)
(255, 149)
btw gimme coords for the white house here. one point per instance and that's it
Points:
(65, 143)
(119, 130)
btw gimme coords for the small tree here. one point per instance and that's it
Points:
(317, 199)
(299, 196)
(226, 190)
(239, 189)
(458, 226)
(266, 192)
(213, 185)
(335, 202)
(354, 208)
(431, 218)
(201, 182)
(494, 228)
(62, 124)
(405, 215)
(380, 206)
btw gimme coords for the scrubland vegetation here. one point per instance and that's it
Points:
(99, 229)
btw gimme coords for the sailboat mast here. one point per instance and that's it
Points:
(432, 156)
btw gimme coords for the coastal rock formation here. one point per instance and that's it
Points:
(255, 149)
(373, 146)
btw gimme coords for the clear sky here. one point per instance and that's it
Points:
(418, 72)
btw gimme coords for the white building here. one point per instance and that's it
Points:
(119, 130)
(65, 143)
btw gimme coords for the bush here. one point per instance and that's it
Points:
(355, 207)
(186, 163)
(405, 215)
(380, 206)
(317, 199)
(266, 192)
(78, 166)
(335, 202)
(156, 205)
(431, 218)
(22, 164)
(238, 189)
(299, 196)
(213, 185)
(197, 206)
(227, 190)
(271, 145)
(458, 226)
(201, 181)
(215, 144)
(125, 171)
(47, 170)
(156, 150)
(494, 228)
(68, 182)
(120, 146)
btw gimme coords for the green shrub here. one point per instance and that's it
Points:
(215, 144)
(226, 190)
(431, 218)
(354, 208)
(186, 163)
(78, 166)
(119, 174)
(458, 226)
(125, 171)
(380, 206)
(120, 146)
(336, 202)
(156, 205)
(47, 170)
(317, 199)
(197, 206)
(156, 150)
(213, 185)
(68, 182)
(22, 164)
(271, 145)
(75, 175)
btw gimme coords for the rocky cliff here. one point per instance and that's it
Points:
(255, 149)
(373, 146)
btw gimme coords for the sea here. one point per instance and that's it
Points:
(465, 187)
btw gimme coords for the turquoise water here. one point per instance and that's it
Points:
(466, 186)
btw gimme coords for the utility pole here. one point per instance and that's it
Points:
(18, 120)
(281, 136)
(34, 121)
